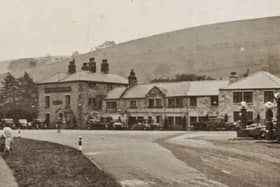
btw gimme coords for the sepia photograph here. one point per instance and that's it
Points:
(140, 93)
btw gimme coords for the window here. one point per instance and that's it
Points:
(158, 119)
(92, 101)
(179, 102)
(158, 103)
(111, 105)
(178, 120)
(47, 102)
(175, 102)
(193, 119)
(67, 100)
(171, 102)
(268, 96)
(249, 116)
(193, 101)
(170, 120)
(248, 97)
(214, 101)
(151, 103)
(236, 116)
(237, 97)
(132, 104)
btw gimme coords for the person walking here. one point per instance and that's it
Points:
(8, 135)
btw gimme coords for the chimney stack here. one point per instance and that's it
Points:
(85, 67)
(233, 77)
(132, 79)
(92, 65)
(72, 66)
(105, 66)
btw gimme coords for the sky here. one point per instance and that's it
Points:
(32, 28)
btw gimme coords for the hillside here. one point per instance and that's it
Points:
(214, 50)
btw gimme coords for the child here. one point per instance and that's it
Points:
(7, 133)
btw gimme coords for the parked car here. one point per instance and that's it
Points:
(39, 123)
(23, 123)
(8, 121)
(256, 130)
(93, 123)
(142, 125)
(118, 125)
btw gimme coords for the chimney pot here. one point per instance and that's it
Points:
(132, 79)
(233, 77)
(72, 66)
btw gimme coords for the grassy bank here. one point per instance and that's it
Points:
(39, 163)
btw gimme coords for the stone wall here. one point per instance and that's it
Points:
(80, 94)
(228, 107)
(203, 108)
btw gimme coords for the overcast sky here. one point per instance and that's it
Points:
(31, 28)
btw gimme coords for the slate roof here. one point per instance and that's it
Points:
(116, 93)
(85, 76)
(206, 88)
(258, 80)
(171, 89)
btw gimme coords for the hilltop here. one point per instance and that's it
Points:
(213, 50)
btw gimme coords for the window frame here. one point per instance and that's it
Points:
(132, 104)
(47, 101)
(193, 101)
(67, 100)
(214, 99)
(265, 98)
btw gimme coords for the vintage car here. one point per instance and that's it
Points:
(8, 121)
(256, 130)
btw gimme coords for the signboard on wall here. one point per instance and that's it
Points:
(58, 89)
(57, 102)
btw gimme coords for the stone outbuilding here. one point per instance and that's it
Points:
(255, 90)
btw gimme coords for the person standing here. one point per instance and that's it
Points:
(8, 135)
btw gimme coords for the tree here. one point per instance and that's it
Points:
(184, 77)
(19, 97)
(9, 92)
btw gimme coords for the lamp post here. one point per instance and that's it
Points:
(243, 112)
(277, 99)
(268, 117)
(241, 132)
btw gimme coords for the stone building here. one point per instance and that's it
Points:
(256, 90)
(72, 95)
(178, 103)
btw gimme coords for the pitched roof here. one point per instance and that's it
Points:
(206, 88)
(85, 76)
(116, 93)
(258, 80)
(171, 89)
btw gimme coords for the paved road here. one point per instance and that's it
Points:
(131, 156)
(221, 156)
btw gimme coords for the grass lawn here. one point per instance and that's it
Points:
(39, 163)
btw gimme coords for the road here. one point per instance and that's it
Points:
(170, 158)
(133, 157)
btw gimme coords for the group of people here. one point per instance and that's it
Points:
(6, 139)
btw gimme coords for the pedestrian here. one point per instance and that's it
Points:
(8, 135)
